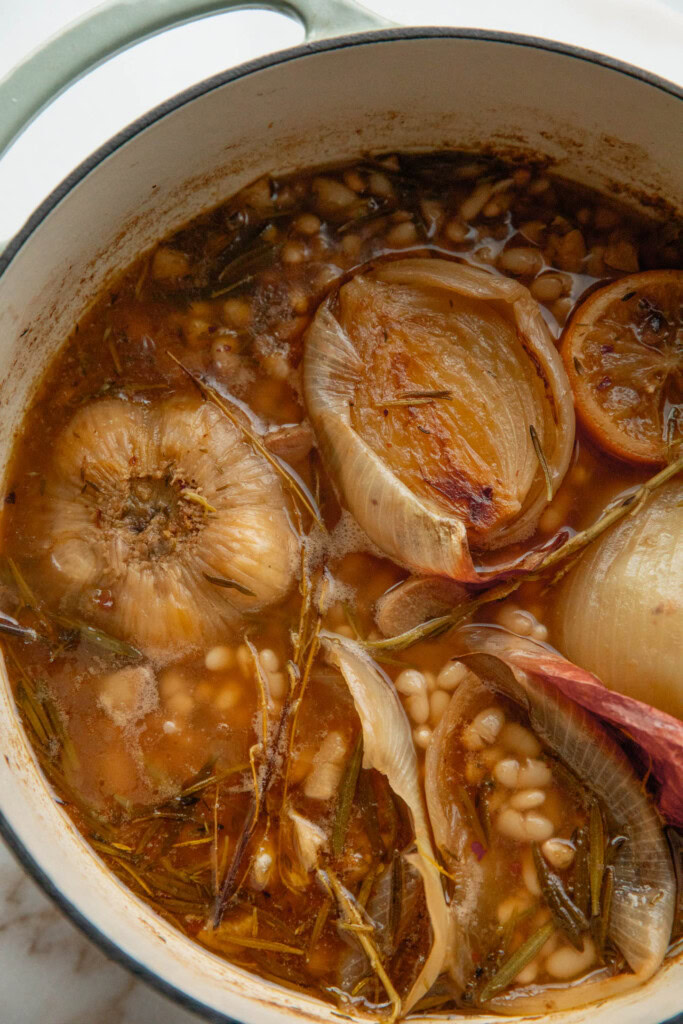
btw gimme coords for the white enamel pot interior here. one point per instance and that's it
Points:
(600, 122)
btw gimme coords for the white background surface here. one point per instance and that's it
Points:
(648, 33)
(48, 972)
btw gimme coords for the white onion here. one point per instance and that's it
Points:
(427, 481)
(619, 613)
(388, 748)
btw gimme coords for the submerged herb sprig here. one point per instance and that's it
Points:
(628, 505)
(289, 477)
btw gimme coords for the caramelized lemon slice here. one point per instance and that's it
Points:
(623, 350)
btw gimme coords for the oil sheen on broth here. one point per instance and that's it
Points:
(182, 567)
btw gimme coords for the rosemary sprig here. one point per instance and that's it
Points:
(298, 489)
(347, 792)
(566, 915)
(517, 962)
(352, 914)
(581, 878)
(221, 581)
(540, 455)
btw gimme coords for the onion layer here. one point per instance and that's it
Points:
(620, 611)
(388, 748)
(423, 381)
(645, 890)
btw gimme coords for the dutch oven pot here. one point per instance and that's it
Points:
(328, 100)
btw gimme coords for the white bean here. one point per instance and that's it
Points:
(471, 740)
(528, 973)
(520, 260)
(228, 697)
(534, 774)
(430, 682)
(332, 195)
(515, 620)
(511, 905)
(529, 876)
(438, 702)
(269, 660)
(219, 658)
(417, 706)
(277, 682)
(527, 799)
(309, 224)
(519, 741)
(507, 772)
(410, 681)
(538, 827)
(567, 962)
(243, 655)
(511, 824)
(488, 723)
(402, 234)
(558, 852)
(422, 736)
(451, 675)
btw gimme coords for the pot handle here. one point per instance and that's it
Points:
(117, 24)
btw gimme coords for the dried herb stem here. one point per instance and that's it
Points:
(319, 924)
(581, 879)
(345, 797)
(596, 855)
(472, 815)
(566, 915)
(543, 462)
(353, 915)
(517, 962)
(601, 923)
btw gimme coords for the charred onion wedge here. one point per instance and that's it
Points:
(163, 524)
(460, 362)
(623, 352)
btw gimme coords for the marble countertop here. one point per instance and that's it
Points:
(52, 974)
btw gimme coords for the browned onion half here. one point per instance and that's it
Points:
(424, 381)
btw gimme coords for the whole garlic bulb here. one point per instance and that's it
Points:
(144, 504)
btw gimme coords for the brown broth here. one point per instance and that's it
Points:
(163, 795)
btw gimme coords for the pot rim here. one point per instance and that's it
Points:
(113, 951)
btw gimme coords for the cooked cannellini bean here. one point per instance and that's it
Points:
(331, 195)
(520, 260)
(456, 231)
(228, 697)
(476, 201)
(244, 660)
(307, 224)
(539, 632)
(293, 252)
(169, 263)
(262, 866)
(180, 703)
(518, 740)
(237, 312)
(558, 852)
(410, 681)
(277, 682)
(471, 740)
(451, 675)
(422, 735)
(533, 774)
(538, 827)
(527, 799)
(402, 234)
(323, 779)
(430, 682)
(438, 702)
(353, 179)
(555, 515)
(219, 658)
(380, 185)
(529, 876)
(488, 723)
(567, 962)
(511, 824)
(507, 772)
(547, 287)
(529, 827)
(417, 707)
(269, 660)
(490, 756)
(528, 973)
(517, 621)
(512, 905)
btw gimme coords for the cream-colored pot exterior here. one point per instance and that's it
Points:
(394, 90)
